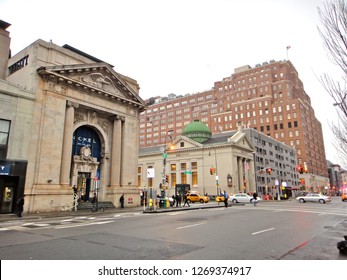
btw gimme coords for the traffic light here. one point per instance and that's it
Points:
(167, 178)
(300, 170)
(305, 169)
(269, 170)
(211, 170)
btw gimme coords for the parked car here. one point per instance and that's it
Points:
(242, 197)
(195, 197)
(314, 197)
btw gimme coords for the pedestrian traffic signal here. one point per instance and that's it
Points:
(300, 170)
(269, 170)
(305, 169)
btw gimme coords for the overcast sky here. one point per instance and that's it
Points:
(184, 46)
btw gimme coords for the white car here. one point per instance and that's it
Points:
(314, 197)
(242, 197)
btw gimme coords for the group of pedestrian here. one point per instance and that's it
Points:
(177, 199)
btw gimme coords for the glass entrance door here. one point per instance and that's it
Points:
(83, 185)
(7, 200)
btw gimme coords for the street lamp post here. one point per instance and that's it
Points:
(217, 178)
(164, 155)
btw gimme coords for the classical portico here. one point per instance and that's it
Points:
(84, 132)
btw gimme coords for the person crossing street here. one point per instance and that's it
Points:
(186, 200)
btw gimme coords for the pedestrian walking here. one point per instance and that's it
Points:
(226, 197)
(186, 200)
(255, 196)
(94, 199)
(20, 206)
(121, 200)
(178, 200)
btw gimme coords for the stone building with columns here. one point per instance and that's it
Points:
(191, 157)
(83, 127)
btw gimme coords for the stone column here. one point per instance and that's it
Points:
(240, 170)
(67, 143)
(116, 152)
(234, 174)
(251, 172)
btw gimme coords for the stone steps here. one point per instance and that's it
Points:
(88, 205)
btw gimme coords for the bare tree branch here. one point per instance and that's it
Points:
(333, 31)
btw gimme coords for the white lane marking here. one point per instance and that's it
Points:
(194, 225)
(104, 222)
(175, 213)
(83, 225)
(4, 229)
(254, 233)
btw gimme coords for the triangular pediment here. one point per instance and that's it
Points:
(187, 143)
(241, 140)
(97, 78)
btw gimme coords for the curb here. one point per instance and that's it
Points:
(175, 209)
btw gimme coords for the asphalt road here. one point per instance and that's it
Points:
(271, 231)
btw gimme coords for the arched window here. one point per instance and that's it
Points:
(86, 136)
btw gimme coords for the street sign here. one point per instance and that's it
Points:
(164, 155)
(187, 172)
(150, 173)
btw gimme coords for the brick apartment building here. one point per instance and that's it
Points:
(269, 98)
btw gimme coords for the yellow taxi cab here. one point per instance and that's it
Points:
(196, 197)
(219, 198)
(344, 196)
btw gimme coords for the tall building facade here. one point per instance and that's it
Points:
(69, 123)
(269, 98)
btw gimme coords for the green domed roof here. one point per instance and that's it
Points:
(197, 131)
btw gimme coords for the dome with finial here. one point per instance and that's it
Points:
(197, 131)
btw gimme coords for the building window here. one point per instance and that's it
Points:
(195, 178)
(184, 178)
(4, 131)
(173, 179)
(183, 166)
(4, 135)
(173, 167)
